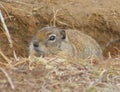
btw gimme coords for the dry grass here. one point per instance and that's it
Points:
(57, 74)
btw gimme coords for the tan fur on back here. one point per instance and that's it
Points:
(84, 45)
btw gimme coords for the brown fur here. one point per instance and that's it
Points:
(67, 43)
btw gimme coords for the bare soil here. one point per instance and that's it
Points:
(99, 19)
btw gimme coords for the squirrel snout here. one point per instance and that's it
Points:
(35, 44)
(37, 49)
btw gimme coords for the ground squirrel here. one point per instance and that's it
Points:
(52, 40)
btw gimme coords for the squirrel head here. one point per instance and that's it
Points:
(49, 40)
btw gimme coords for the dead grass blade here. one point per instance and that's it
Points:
(4, 57)
(8, 35)
(8, 78)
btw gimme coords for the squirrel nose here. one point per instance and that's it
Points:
(36, 44)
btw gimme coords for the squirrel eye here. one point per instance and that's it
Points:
(52, 37)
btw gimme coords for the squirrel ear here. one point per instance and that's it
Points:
(63, 34)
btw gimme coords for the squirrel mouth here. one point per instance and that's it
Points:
(39, 53)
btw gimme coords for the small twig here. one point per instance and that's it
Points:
(117, 49)
(54, 17)
(15, 56)
(101, 74)
(21, 62)
(109, 55)
(55, 12)
(2, 64)
(63, 23)
(52, 59)
(44, 88)
(8, 60)
(8, 78)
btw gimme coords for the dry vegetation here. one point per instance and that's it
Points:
(20, 73)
